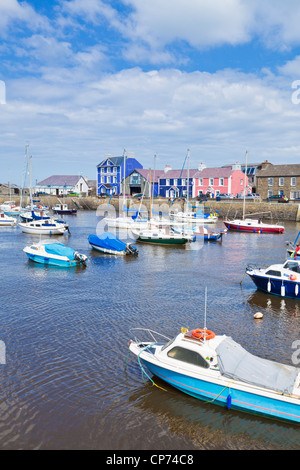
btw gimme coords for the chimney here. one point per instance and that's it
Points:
(202, 166)
(167, 168)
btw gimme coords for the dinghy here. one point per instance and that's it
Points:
(108, 243)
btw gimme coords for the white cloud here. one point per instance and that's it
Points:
(11, 12)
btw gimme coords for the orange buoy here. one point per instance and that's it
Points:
(203, 334)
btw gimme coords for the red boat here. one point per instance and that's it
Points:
(253, 226)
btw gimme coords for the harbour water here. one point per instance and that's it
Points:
(68, 382)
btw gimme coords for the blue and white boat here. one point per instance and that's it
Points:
(279, 279)
(55, 254)
(108, 243)
(218, 370)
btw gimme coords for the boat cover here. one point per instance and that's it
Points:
(108, 241)
(60, 250)
(237, 363)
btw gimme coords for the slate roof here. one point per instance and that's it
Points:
(60, 180)
(117, 161)
(279, 170)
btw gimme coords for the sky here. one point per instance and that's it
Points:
(80, 79)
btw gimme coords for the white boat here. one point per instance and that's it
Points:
(54, 254)
(199, 217)
(63, 209)
(216, 369)
(124, 222)
(44, 227)
(7, 220)
(10, 208)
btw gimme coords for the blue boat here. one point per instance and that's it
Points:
(278, 279)
(54, 254)
(108, 243)
(219, 371)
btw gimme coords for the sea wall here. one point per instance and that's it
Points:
(226, 209)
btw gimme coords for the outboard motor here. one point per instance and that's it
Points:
(79, 257)
(131, 250)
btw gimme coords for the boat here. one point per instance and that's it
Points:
(199, 216)
(161, 236)
(218, 370)
(7, 220)
(108, 243)
(201, 233)
(10, 208)
(279, 279)
(34, 214)
(63, 209)
(54, 254)
(44, 227)
(252, 226)
(293, 249)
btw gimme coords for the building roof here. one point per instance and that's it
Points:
(117, 161)
(146, 174)
(223, 172)
(279, 170)
(60, 180)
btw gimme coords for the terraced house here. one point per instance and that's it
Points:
(283, 180)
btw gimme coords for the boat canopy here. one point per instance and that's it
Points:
(108, 241)
(60, 250)
(237, 363)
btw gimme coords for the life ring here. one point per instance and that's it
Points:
(293, 277)
(203, 334)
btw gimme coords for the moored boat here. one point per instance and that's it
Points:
(44, 227)
(252, 226)
(278, 279)
(63, 209)
(108, 243)
(55, 254)
(216, 369)
(158, 236)
(7, 220)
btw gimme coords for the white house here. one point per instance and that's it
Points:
(59, 185)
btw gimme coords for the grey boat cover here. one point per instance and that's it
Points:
(237, 363)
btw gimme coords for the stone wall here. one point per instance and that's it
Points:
(226, 209)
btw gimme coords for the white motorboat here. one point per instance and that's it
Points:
(44, 227)
(7, 220)
(55, 254)
(216, 369)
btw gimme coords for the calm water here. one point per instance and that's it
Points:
(68, 383)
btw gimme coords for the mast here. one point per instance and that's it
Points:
(244, 201)
(188, 177)
(124, 185)
(150, 195)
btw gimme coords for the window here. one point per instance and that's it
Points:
(270, 193)
(241, 182)
(281, 181)
(200, 181)
(183, 182)
(270, 181)
(175, 181)
(221, 181)
(272, 272)
(211, 181)
(167, 182)
(293, 181)
(185, 355)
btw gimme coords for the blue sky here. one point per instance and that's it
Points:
(86, 78)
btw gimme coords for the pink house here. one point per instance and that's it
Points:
(215, 181)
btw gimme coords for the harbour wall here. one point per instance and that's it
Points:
(226, 209)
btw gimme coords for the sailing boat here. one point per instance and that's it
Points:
(156, 234)
(249, 224)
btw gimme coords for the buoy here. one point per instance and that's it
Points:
(296, 289)
(258, 315)
(269, 286)
(228, 402)
(282, 290)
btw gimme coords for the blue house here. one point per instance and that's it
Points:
(110, 173)
(174, 183)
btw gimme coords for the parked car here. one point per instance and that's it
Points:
(225, 196)
(278, 198)
(252, 196)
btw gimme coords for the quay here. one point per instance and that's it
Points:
(226, 208)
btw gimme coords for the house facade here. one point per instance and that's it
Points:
(214, 181)
(139, 180)
(176, 183)
(283, 180)
(111, 172)
(62, 185)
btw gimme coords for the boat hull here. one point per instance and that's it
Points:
(275, 286)
(253, 229)
(229, 396)
(43, 231)
(107, 251)
(162, 241)
(48, 261)
(65, 212)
